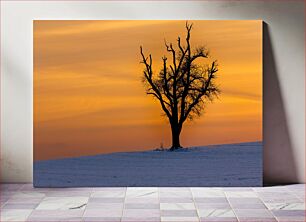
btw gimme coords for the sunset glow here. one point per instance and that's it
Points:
(89, 97)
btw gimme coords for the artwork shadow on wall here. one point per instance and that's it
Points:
(147, 103)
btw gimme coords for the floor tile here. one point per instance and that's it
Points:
(285, 206)
(279, 189)
(240, 194)
(68, 189)
(150, 192)
(20, 206)
(142, 213)
(253, 213)
(142, 200)
(176, 200)
(178, 213)
(25, 200)
(105, 200)
(10, 187)
(101, 219)
(179, 219)
(3, 200)
(238, 189)
(268, 204)
(14, 214)
(55, 219)
(213, 205)
(296, 187)
(219, 219)
(216, 213)
(177, 206)
(28, 187)
(281, 200)
(115, 206)
(26, 195)
(109, 194)
(289, 213)
(140, 219)
(207, 192)
(175, 193)
(171, 189)
(103, 212)
(245, 200)
(62, 203)
(210, 200)
(111, 189)
(248, 206)
(57, 213)
(141, 206)
(291, 219)
(68, 193)
(300, 195)
(255, 219)
(274, 197)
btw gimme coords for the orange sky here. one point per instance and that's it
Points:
(89, 98)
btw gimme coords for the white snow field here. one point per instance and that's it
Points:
(218, 165)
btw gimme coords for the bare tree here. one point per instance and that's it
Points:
(182, 87)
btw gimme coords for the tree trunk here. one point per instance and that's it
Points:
(175, 137)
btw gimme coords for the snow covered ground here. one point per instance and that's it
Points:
(218, 165)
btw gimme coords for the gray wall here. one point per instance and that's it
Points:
(284, 74)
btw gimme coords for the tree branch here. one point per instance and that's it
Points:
(212, 71)
(150, 81)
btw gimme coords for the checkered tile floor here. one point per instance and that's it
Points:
(22, 202)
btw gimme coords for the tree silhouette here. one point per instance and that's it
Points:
(182, 87)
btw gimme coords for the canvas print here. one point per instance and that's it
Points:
(147, 103)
